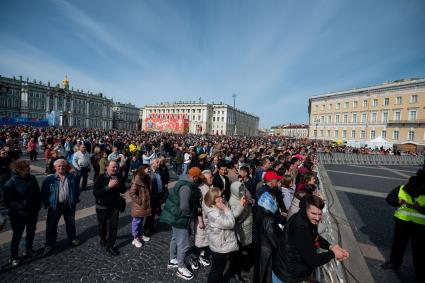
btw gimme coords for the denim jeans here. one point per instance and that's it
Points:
(137, 227)
(53, 216)
(185, 168)
(19, 223)
(275, 279)
(179, 245)
(82, 173)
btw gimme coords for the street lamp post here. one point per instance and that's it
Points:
(234, 114)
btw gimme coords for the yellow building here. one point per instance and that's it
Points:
(395, 111)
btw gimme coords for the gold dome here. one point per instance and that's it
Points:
(65, 82)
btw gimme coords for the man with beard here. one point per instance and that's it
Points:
(297, 255)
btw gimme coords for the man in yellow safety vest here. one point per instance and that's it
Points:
(409, 223)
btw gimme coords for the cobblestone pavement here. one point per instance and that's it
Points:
(89, 263)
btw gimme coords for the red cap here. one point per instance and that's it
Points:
(271, 175)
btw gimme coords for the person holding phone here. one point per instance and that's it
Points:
(107, 190)
(241, 204)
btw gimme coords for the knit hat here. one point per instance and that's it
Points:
(195, 172)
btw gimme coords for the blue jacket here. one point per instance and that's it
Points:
(50, 191)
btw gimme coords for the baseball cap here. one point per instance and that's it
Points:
(195, 172)
(271, 175)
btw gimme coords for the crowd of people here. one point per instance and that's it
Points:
(250, 201)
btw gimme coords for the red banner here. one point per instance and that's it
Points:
(170, 123)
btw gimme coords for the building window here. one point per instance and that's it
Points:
(338, 105)
(322, 107)
(414, 99)
(316, 107)
(384, 134)
(364, 116)
(344, 134)
(411, 135)
(355, 104)
(386, 101)
(346, 104)
(375, 102)
(322, 119)
(353, 134)
(364, 103)
(373, 117)
(384, 117)
(362, 134)
(412, 115)
(321, 133)
(398, 100)
(395, 135)
(329, 119)
(330, 106)
(345, 118)
(336, 134)
(222, 119)
(354, 117)
(328, 133)
(372, 134)
(337, 118)
(397, 115)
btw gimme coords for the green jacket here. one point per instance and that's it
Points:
(172, 213)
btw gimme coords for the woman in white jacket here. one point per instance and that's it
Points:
(221, 233)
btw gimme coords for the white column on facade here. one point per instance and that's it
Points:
(48, 103)
(87, 113)
(55, 103)
(71, 113)
(24, 102)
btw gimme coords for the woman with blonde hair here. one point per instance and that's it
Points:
(221, 233)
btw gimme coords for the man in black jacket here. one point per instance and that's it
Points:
(221, 181)
(107, 190)
(297, 255)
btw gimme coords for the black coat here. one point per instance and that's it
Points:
(105, 196)
(267, 233)
(218, 182)
(297, 256)
(21, 195)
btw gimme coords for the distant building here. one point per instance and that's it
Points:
(200, 118)
(290, 130)
(395, 111)
(126, 116)
(75, 108)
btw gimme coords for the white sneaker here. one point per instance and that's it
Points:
(136, 242)
(184, 273)
(194, 264)
(204, 262)
(173, 263)
(145, 238)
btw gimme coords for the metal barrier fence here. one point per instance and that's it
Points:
(369, 159)
(333, 271)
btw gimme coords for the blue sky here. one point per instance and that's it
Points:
(273, 55)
